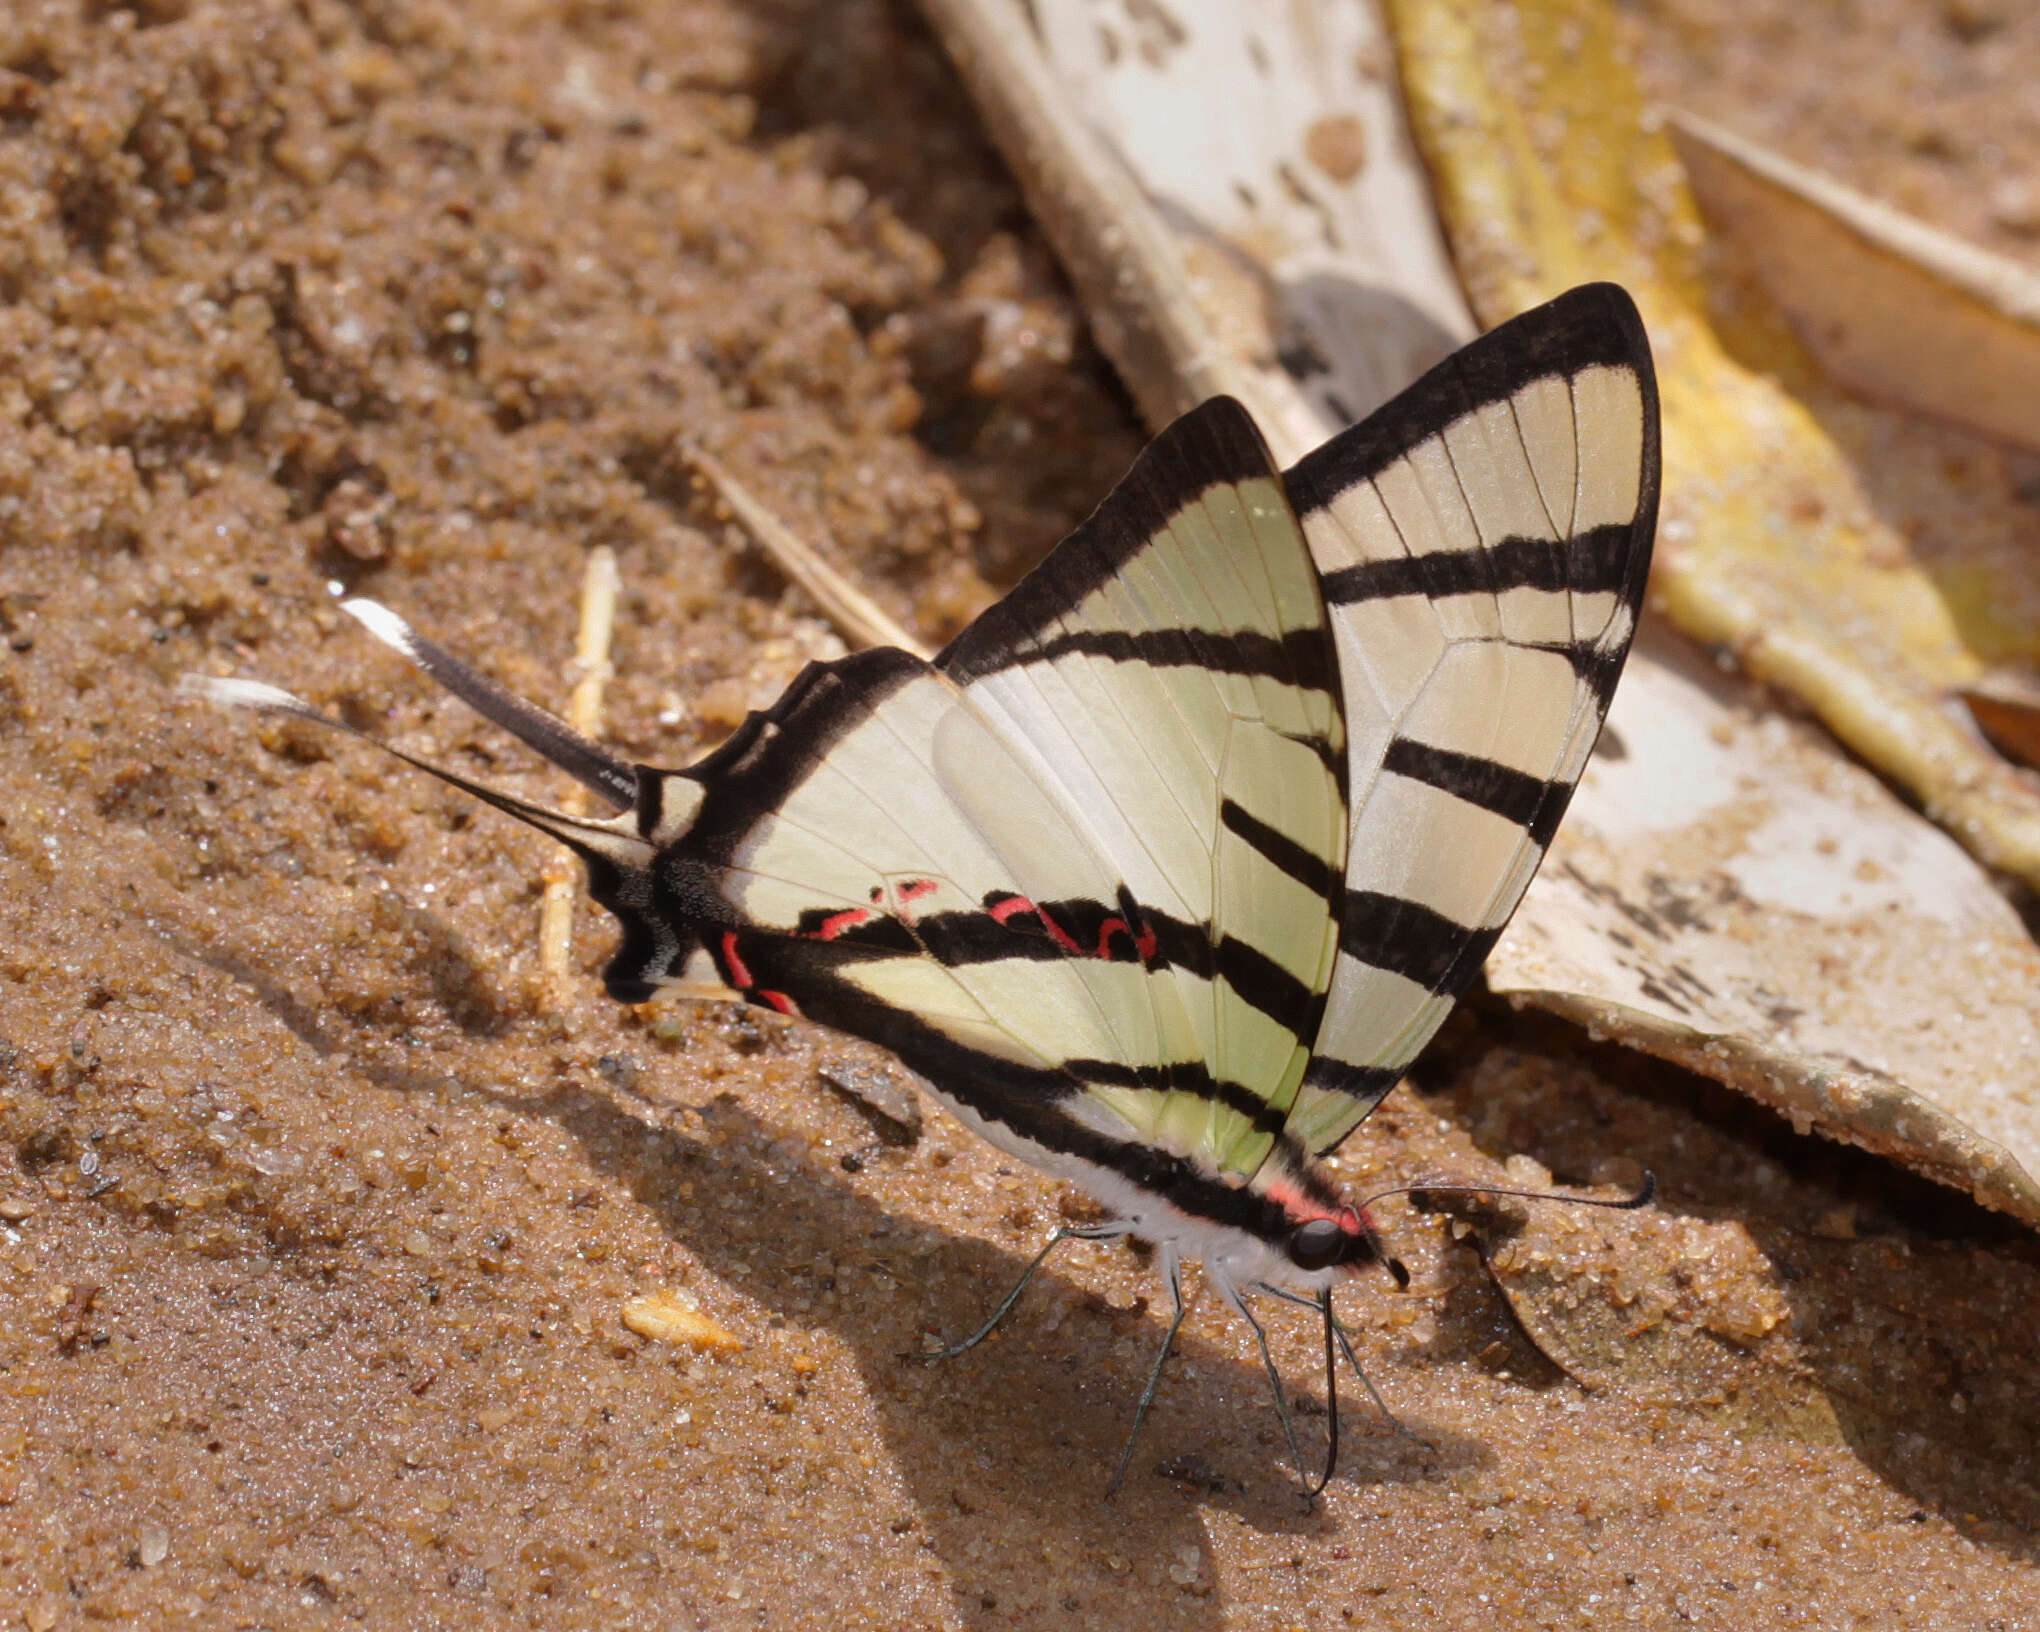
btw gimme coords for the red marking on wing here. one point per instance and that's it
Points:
(733, 965)
(1007, 908)
(1106, 931)
(912, 889)
(837, 922)
(1145, 944)
(775, 1000)
(1062, 937)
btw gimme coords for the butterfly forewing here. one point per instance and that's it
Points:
(1081, 871)
(868, 882)
(1484, 541)
(1171, 669)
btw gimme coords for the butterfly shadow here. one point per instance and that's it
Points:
(1913, 1341)
(1006, 1452)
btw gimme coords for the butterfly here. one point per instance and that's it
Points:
(1160, 874)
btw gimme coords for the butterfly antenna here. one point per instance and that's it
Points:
(578, 832)
(1644, 1193)
(1173, 1273)
(1005, 1308)
(1331, 1400)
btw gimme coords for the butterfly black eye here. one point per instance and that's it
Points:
(1317, 1243)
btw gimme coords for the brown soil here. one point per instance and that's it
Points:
(1925, 104)
(318, 1208)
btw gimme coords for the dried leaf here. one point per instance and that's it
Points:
(1285, 254)
(2006, 708)
(883, 1089)
(1890, 305)
(1741, 899)
(1768, 544)
(600, 586)
(1662, 1306)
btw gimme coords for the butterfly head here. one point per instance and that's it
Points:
(1342, 1238)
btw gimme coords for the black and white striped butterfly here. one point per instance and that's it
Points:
(1162, 873)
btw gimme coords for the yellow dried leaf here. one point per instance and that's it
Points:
(1892, 307)
(2006, 708)
(1547, 174)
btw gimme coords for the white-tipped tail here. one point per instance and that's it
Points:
(618, 844)
(233, 693)
(596, 769)
(384, 624)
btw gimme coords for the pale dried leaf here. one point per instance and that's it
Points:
(671, 1317)
(1732, 894)
(1288, 235)
(600, 585)
(1890, 305)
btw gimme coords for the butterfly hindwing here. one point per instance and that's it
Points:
(1484, 541)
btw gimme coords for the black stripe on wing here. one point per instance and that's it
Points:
(1409, 939)
(1297, 654)
(1473, 950)
(1119, 933)
(1369, 1083)
(1300, 862)
(1215, 444)
(1522, 798)
(1596, 561)
(1180, 1077)
(1584, 327)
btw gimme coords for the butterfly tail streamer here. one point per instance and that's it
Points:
(586, 836)
(610, 779)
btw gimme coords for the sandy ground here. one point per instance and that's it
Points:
(319, 1206)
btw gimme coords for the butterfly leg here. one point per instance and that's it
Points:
(1336, 1329)
(1005, 1308)
(1310, 1491)
(1172, 1272)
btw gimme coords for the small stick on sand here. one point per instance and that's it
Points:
(858, 618)
(584, 712)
